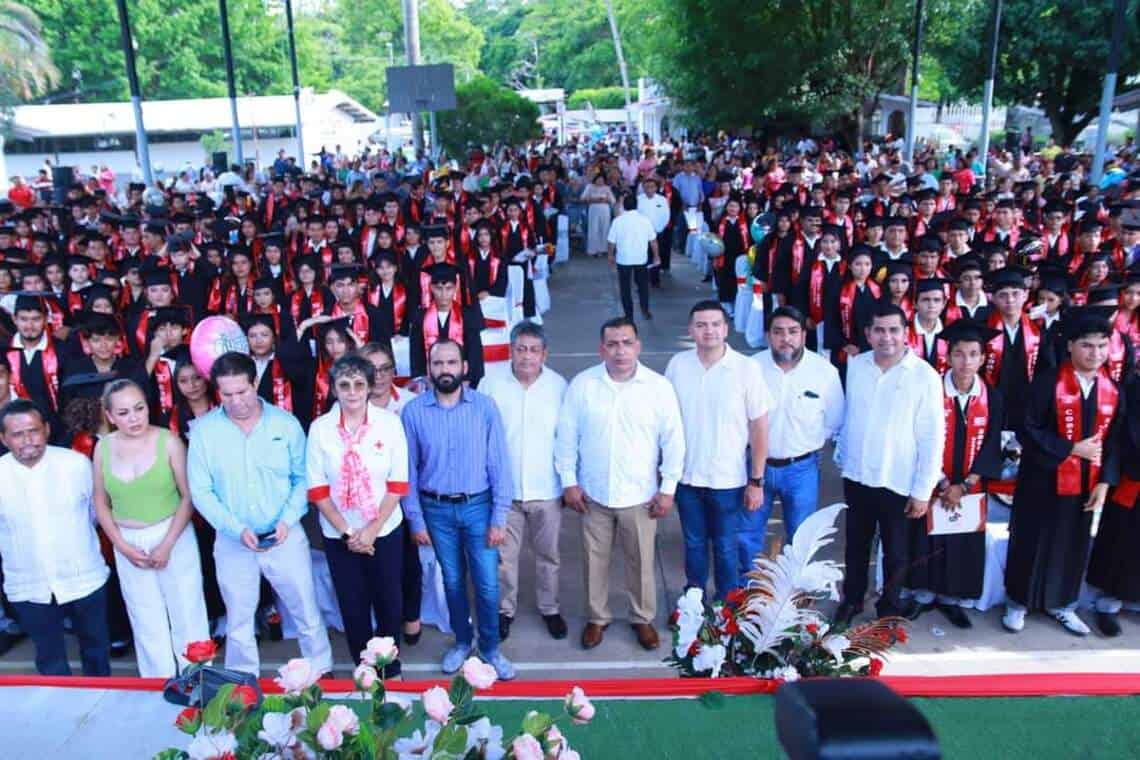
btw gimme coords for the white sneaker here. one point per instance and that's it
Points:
(1072, 622)
(1013, 620)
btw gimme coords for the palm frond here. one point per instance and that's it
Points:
(874, 637)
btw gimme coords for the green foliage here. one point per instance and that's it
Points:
(213, 142)
(1050, 54)
(487, 113)
(26, 68)
(599, 97)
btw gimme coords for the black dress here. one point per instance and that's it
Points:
(1048, 533)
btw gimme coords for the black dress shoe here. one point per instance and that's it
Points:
(505, 626)
(956, 615)
(9, 640)
(411, 639)
(845, 613)
(556, 625)
(909, 609)
(1107, 624)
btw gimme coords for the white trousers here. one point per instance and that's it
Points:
(166, 607)
(290, 572)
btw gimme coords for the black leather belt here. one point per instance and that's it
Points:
(453, 498)
(792, 460)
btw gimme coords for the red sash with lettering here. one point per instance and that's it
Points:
(815, 288)
(995, 349)
(360, 322)
(164, 379)
(977, 415)
(1117, 352)
(431, 326)
(50, 363)
(1124, 495)
(282, 388)
(918, 345)
(316, 304)
(1067, 395)
(321, 386)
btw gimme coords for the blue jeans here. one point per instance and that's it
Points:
(44, 624)
(797, 485)
(710, 514)
(459, 534)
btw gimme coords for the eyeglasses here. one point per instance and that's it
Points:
(385, 369)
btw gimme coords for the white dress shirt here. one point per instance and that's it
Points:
(611, 436)
(807, 404)
(530, 419)
(655, 209)
(384, 450)
(47, 529)
(928, 336)
(631, 234)
(716, 406)
(971, 310)
(398, 398)
(894, 430)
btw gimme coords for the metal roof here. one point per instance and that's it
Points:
(198, 115)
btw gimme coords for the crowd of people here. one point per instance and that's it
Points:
(954, 339)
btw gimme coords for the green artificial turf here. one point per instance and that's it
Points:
(742, 727)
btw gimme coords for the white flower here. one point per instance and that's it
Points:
(365, 677)
(344, 718)
(555, 741)
(569, 754)
(208, 745)
(437, 704)
(483, 733)
(690, 618)
(526, 747)
(836, 646)
(329, 737)
(380, 651)
(418, 745)
(277, 730)
(478, 673)
(711, 657)
(296, 675)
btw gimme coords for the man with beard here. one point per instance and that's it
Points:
(460, 504)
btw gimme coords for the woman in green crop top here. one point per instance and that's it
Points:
(142, 502)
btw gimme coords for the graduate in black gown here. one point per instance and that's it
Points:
(446, 316)
(1070, 458)
(1114, 567)
(947, 571)
(824, 277)
(281, 364)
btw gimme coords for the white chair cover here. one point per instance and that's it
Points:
(742, 307)
(754, 329)
(562, 246)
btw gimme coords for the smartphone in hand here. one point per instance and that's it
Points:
(267, 540)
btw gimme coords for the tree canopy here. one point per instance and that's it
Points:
(487, 112)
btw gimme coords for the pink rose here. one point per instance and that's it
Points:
(526, 747)
(343, 719)
(329, 737)
(437, 704)
(555, 741)
(380, 651)
(296, 675)
(365, 677)
(578, 706)
(569, 754)
(478, 673)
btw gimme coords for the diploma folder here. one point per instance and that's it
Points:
(970, 517)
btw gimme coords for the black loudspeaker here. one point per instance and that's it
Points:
(220, 161)
(851, 718)
(61, 178)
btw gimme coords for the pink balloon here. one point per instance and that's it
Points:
(213, 337)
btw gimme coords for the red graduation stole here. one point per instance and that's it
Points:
(50, 362)
(316, 304)
(397, 226)
(815, 288)
(54, 313)
(321, 386)
(465, 241)
(742, 228)
(1117, 352)
(492, 259)
(282, 388)
(907, 307)
(945, 203)
(1067, 395)
(847, 308)
(977, 415)
(995, 349)
(84, 443)
(431, 325)
(918, 345)
(360, 322)
(399, 302)
(505, 231)
(364, 240)
(141, 329)
(164, 379)
(74, 301)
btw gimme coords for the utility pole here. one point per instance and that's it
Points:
(912, 117)
(227, 50)
(141, 145)
(622, 68)
(988, 90)
(296, 83)
(1108, 92)
(412, 46)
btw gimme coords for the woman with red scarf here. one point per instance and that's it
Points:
(1070, 458)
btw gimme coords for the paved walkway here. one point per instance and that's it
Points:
(584, 295)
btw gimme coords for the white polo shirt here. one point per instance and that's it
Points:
(530, 419)
(384, 450)
(807, 404)
(717, 405)
(655, 209)
(631, 234)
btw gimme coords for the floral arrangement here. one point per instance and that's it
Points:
(771, 628)
(303, 725)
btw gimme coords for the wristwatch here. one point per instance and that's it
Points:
(347, 534)
(758, 482)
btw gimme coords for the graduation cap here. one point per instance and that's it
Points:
(26, 302)
(75, 260)
(156, 227)
(1056, 206)
(874, 220)
(1008, 277)
(384, 255)
(524, 183)
(811, 212)
(87, 384)
(1087, 320)
(309, 260)
(129, 222)
(832, 229)
(930, 243)
(251, 320)
(275, 239)
(344, 272)
(443, 273)
(340, 324)
(928, 284)
(94, 292)
(137, 187)
(170, 315)
(925, 195)
(901, 266)
(152, 276)
(1107, 292)
(439, 230)
(727, 176)
(265, 282)
(1006, 203)
(92, 236)
(880, 177)
(969, 331)
(97, 323)
(860, 249)
(1054, 279)
(895, 221)
(108, 218)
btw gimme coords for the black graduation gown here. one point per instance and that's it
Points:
(514, 244)
(734, 245)
(1049, 534)
(472, 343)
(1114, 566)
(795, 292)
(292, 360)
(955, 565)
(1013, 380)
(123, 367)
(482, 279)
(194, 290)
(832, 323)
(386, 311)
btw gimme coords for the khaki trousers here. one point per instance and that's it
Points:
(634, 530)
(542, 519)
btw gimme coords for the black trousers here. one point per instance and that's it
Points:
(640, 273)
(413, 576)
(665, 252)
(366, 586)
(867, 509)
